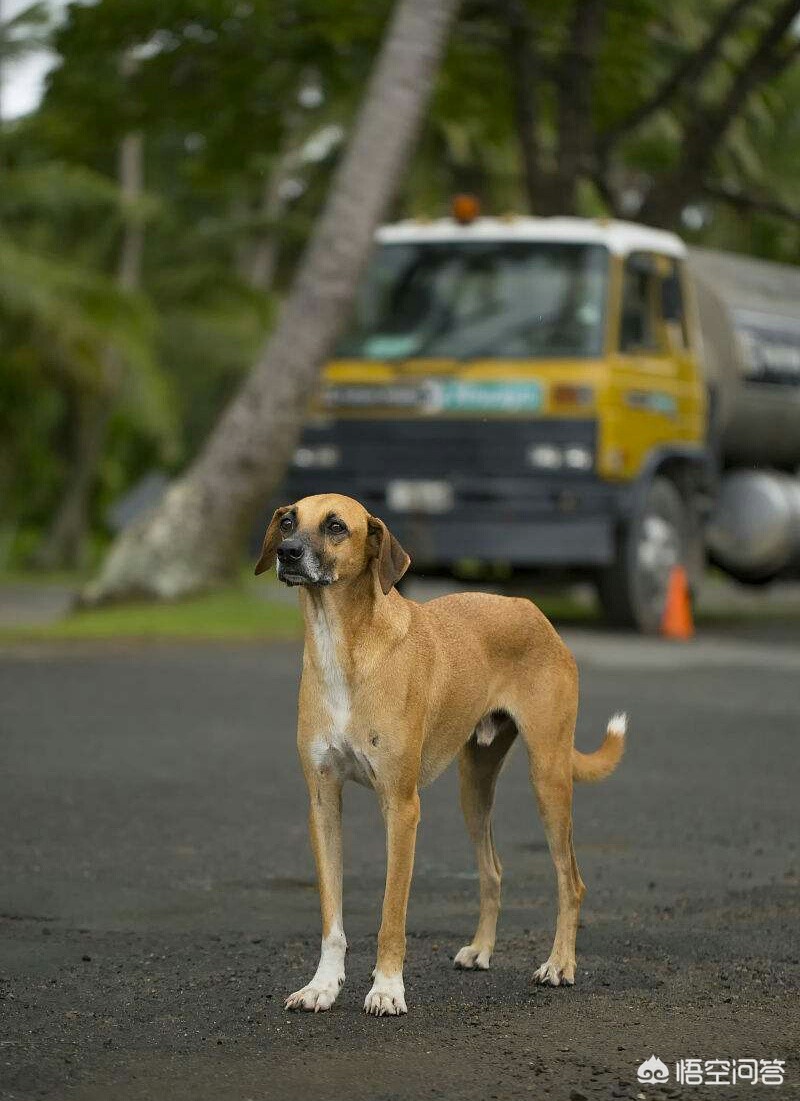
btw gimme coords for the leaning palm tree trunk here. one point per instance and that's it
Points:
(193, 538)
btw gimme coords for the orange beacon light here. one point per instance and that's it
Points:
(465, 208)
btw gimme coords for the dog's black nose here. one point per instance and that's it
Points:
(290, 550)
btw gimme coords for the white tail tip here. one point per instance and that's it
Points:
(618, 724)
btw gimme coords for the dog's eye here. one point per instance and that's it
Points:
(336, 527)
(286, 523)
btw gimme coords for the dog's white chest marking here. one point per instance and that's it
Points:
(336, 694)
(334, 747)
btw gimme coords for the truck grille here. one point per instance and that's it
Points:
(442, 448)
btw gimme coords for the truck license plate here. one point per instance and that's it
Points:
(419, 496)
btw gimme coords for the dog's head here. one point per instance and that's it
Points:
(330, 539)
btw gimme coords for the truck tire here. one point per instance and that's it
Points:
(659, 536)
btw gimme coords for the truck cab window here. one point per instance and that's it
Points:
(481, 299)
(637, 328)
(673, 314)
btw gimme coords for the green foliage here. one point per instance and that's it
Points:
(66, 331)
(73, 316)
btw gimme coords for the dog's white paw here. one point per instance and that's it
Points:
(387, 996)
(315, 997)
(470, 958)
(556, 972)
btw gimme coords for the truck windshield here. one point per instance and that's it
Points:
(465, 300)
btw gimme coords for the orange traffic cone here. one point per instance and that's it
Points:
(677, 621)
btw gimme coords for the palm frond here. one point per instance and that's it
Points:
(92, 334)
(54, 188)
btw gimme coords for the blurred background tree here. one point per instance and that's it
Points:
(674, 115)
(155, 204)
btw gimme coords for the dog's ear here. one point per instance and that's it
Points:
(390, 558)
(271, 540)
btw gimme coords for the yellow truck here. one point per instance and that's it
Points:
(544, 395)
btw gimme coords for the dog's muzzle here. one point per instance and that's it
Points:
(298, 565)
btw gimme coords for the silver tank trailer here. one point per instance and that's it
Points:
(749, 312)
(754, 532)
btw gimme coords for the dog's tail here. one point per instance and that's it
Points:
(590, 767)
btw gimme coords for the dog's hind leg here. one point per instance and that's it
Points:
(554, 796)
(547, 726)
(479, 767)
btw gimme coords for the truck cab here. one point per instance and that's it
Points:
(525, 392)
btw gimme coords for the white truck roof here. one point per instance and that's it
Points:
(619, 237)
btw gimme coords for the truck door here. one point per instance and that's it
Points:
(691, 394)
(654, 377)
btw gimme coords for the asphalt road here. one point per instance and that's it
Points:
(157, 899)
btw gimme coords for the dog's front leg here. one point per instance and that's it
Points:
(401, 814)
(325, 825)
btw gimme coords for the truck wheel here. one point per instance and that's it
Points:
(633, 590)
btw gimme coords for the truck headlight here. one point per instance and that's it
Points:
(548, 456)
(578, 458)
(545, 456)
(320, 457)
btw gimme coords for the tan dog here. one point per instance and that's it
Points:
(391, 691)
